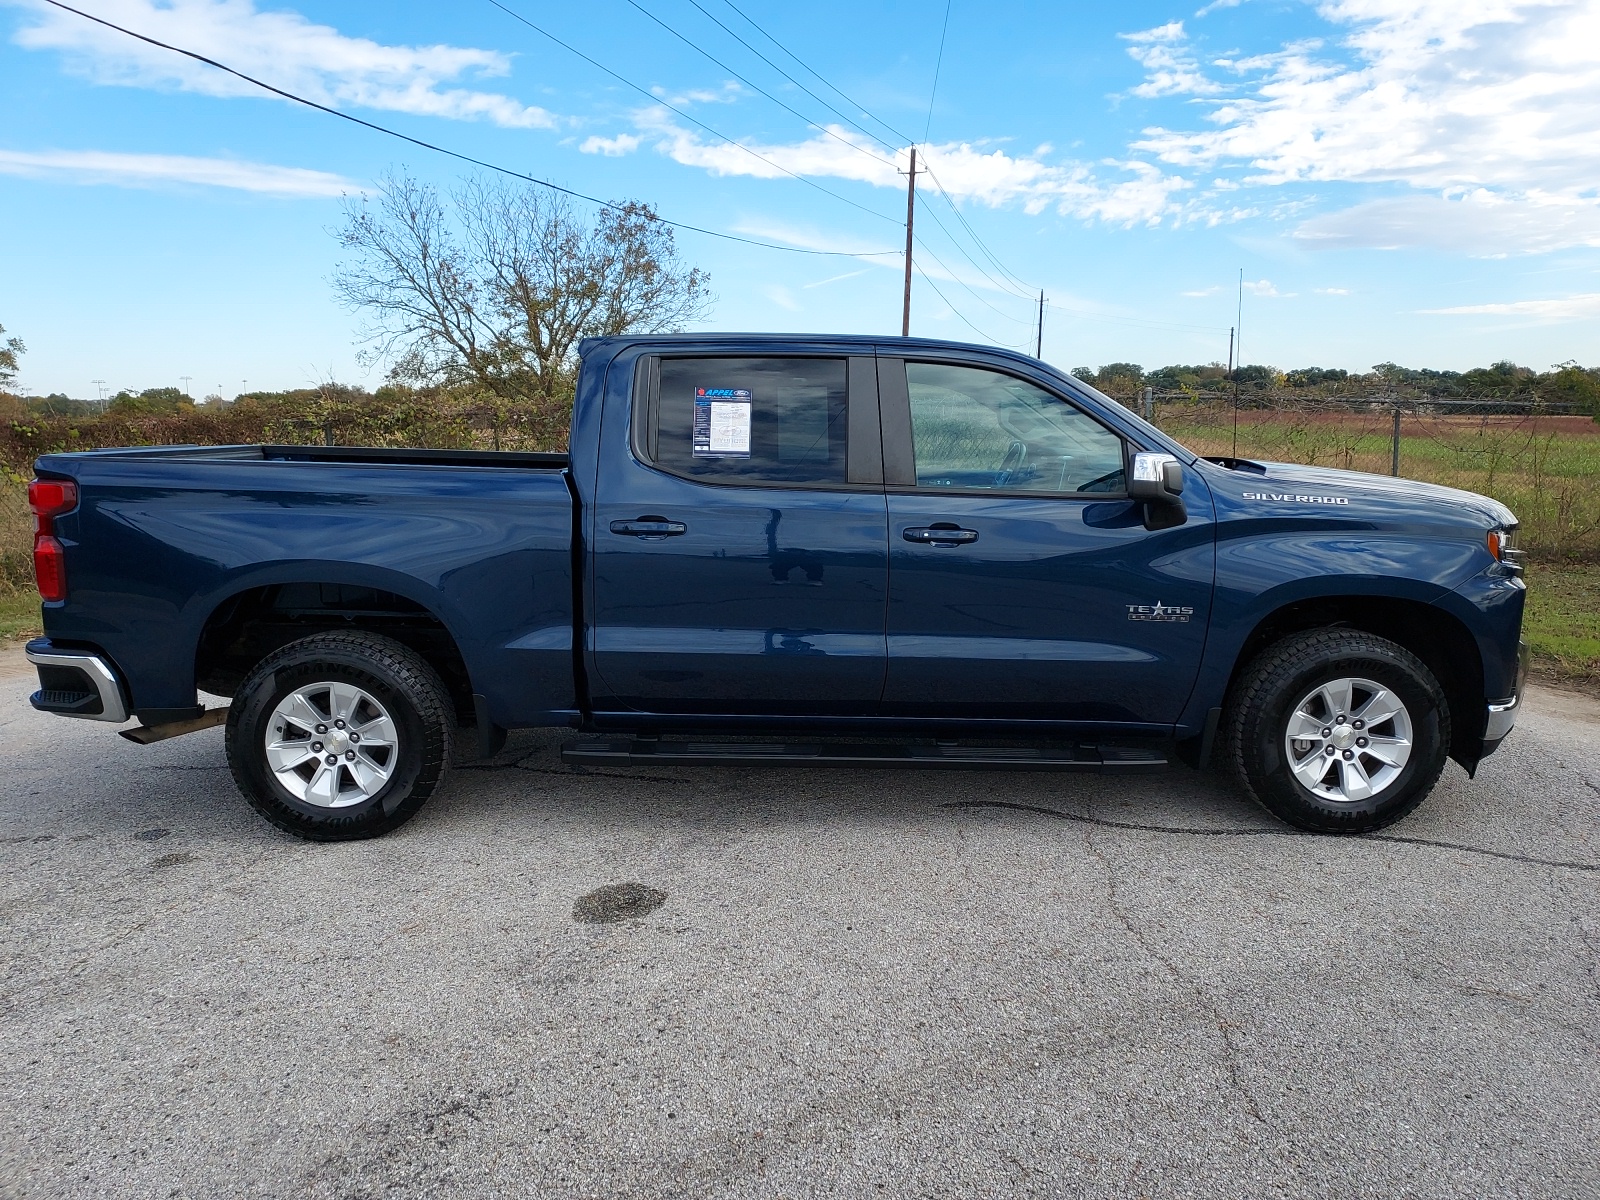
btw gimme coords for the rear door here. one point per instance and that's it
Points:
(740, 560)
(1023, 582)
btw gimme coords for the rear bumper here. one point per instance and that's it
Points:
(76, 683)
(1502, 714)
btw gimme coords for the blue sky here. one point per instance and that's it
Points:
(1414, 182)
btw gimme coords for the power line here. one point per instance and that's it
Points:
(937, 64)
(455, 154)
(904, 137)
(703, 52)
(967, 285)
(654, 99)
(857, 105)
(825, 104)
(978, 241)
(986, 337)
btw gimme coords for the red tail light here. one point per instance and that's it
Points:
(50, 567)
(49, 498)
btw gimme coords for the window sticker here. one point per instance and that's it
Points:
(722, 422)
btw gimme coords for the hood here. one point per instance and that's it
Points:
(1305, 489)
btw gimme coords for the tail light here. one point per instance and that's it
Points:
(49, 498)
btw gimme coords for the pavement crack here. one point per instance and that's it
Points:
(1084, 819)
(1225, 1028)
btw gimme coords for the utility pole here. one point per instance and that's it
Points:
(911, 214)
(1038, 342)
(186, 379)
(100, 386)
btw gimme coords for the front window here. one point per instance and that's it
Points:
(978, 429)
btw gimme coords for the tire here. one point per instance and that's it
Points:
(345, 789)
(1292, 685)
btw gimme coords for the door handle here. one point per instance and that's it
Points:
(649, 527)
(941, 535)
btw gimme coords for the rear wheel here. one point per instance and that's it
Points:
(340, 736)
(1338, 731)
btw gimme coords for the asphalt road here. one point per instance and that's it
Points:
(849, 984)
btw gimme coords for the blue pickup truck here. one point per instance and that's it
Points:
(790, 551)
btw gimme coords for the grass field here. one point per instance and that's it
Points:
(1545, 469)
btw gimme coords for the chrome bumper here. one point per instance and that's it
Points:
(76, 683)
(1503, 713)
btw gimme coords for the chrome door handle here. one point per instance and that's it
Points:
(941, 535)
(649, 527)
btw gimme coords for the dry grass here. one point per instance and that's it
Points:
(1545, 469)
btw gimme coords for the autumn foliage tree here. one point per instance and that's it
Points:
(494, 285)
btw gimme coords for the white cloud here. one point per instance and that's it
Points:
(614, 147)
(1262, 287)
(1331, 291)
(1145, 195)
(148, 170)
(1210, 291)
(280, 47)
(833, 279)
(1493, 98)
(1482, 222)
(1567, 308)
(1170, 68)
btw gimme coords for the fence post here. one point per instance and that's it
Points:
(1150, 405)
(1394, 457)
(327, 433)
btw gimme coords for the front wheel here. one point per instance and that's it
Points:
(1338, 731)
(340, 736)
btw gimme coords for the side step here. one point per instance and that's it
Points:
(636, 752)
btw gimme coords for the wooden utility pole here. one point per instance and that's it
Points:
(1038, 342)
(911, 214)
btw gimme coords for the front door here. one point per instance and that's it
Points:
(1023, 582)
(740, 561)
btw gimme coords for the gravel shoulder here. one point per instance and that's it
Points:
(824, 983)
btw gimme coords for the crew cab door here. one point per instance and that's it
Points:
(1023, 583)
(739, 546)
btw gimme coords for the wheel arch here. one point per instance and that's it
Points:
(1434, 634)
(252, 621)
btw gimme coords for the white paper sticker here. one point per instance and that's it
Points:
(722, 422)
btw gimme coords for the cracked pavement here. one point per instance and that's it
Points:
(858, 983)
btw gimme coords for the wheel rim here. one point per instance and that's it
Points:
(1348, 739)
(331, 745)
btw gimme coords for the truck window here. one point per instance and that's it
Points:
(978, 429)
(753, 420)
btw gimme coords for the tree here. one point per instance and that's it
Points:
(149, 402)
(10, 350)
(1571, 384)
(496, 285)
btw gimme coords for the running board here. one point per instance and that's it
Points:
(635, 752)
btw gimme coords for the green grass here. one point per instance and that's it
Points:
(19, 615)
(1562, 623)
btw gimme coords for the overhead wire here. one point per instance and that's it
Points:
(758, 89)
(903, 137)
(856, 104)
(985, 336)
(456, 154)
(655, 99)
(848, 120)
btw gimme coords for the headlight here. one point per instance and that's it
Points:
(1502, 544)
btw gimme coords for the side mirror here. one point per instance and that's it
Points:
(1157, 481)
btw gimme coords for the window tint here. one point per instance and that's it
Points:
(973, 428)
(753, 420)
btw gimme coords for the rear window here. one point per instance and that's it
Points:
(753, 420)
